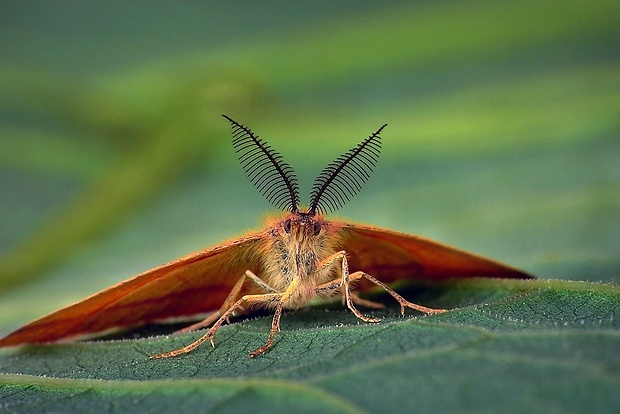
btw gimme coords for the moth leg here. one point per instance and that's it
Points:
(210, 320)
(275, 326)
(402, 301)
(350, 298)
(247, 299)
(275, 322)
(260, 282)
(344, 283)
(365, 302)
(234, 294)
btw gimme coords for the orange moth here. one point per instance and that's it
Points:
(297, 257)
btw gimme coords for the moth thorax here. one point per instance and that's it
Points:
(297, 241)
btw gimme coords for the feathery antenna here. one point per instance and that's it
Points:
(273, 178)
(343, 178)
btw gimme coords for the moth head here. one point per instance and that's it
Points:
(276, 181)
(302, 226)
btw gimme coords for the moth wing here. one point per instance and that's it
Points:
(392, 256)
(191, 285)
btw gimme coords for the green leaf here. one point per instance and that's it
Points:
(502, 139)
(526, 345)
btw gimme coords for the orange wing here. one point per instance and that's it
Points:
(191, 285)
(392, 256)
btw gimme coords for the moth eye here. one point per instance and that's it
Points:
(287, 225)
(316, 228)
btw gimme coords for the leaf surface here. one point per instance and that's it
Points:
(533, 345)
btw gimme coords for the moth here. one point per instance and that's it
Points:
(298, 256)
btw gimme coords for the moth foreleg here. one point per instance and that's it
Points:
(275, 322)
(275, 326)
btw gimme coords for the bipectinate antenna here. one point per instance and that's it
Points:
(343, 178)
(273, 178)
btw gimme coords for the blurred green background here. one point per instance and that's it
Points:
(502, 138)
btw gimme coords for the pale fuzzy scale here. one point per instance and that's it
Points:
(294, 256)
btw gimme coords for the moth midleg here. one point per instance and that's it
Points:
(365, 302)
(351, 298)
(329, 287)
(402, 301)
(232, 296)
(247, 299)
